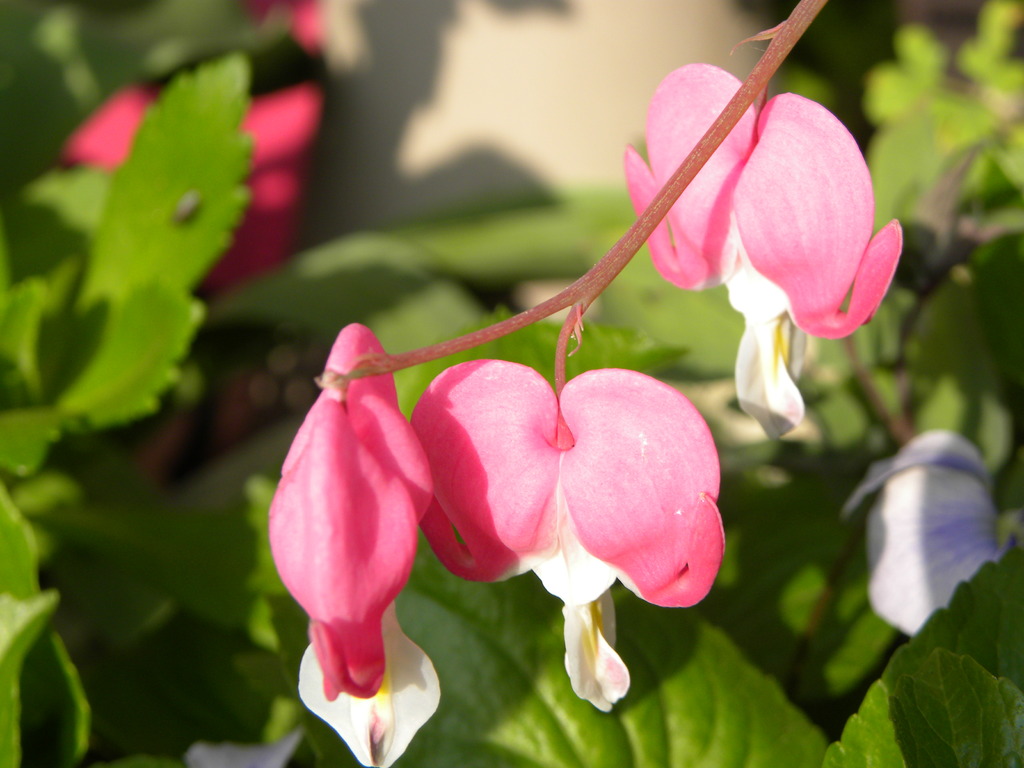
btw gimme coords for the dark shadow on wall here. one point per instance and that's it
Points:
(356, 157)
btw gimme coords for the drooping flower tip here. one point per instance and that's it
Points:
(596, 672)
(782, 214)
(343, 522)
(787, 194)
(343, 531)
(378, 728)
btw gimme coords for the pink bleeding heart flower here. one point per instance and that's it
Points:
(782, 214)
(625, 488)
(343, 531)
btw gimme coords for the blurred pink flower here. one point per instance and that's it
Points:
(302, 16)
(624, 488)
(283, 125)
(782, 214)
(343, 531)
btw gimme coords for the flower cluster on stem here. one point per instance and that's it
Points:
(612, 475)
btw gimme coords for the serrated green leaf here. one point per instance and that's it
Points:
(368, 278)
(506, 699)
(869, 740)
(998, 269)
(956, 384)
(25, 437)
(21, 621)
(501, 648)
(984, 620)
(602, 346)
(174, 202)
(142, 341)
(951, 712)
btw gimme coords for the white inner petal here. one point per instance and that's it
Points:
(572, 573)
(769, 360)
(752, 294)
(596, 672)
(378, 729)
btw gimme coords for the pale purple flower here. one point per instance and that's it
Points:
(932, 526)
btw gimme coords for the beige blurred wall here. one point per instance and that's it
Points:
(435, 103)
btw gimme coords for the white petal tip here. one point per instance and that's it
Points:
(596, 671)
(769, 359)
(379, 729)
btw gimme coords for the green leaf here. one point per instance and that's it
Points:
(905, 162)
(53, 218)
(498, 648)
(368, 278)
(21, 621)
(988, 58)
(172, 34)
(174, 202)
(869, 740)
(774, 595)
(550, 238)
(207, 561)
(142, 341)
(55, 716)
(951, 712)
(25, 437)
(185, 679)
(21, 311)
(17, 551)
(956, 384)
(894, 89)
(701, 322)
(998, 269)
(603, 346)
(57, 69)
(984, 620)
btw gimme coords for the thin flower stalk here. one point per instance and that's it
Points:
(588, 287)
